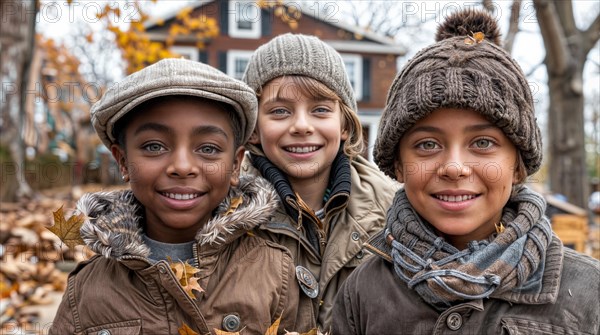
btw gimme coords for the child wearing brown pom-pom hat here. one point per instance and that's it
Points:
(466, 248)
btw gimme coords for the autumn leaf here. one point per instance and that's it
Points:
(186, 330)
(272, 330)
(222, 332)
(67, 230)
(235, 203)
(479, 36)
(184, 272)
(313, 331)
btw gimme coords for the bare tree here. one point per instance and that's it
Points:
(567, 49)
(16, 48)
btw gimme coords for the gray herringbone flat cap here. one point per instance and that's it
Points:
(303, 55)
(173, 77)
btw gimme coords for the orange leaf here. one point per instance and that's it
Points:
(67, 231)
(184, 272)
(222, 332)
(235, 203)
(272, 330)
(479, 36)
(186, 330)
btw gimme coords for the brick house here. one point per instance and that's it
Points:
(370, 58)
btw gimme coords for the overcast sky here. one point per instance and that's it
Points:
(56, 20)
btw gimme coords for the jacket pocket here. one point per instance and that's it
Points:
(514, 326)
(131, 327)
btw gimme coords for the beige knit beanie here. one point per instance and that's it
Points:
(296, 54)
(464, 69)
(173, 77)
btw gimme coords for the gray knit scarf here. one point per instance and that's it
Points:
(511, 262)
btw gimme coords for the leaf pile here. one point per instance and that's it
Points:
(30, 258)
(34, 263)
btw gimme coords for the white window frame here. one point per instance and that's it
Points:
(232, 56)
(239, 10)
(372, 122)
(186, 50)
(358, 73)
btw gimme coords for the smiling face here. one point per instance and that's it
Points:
(458, 170)
(180, 157)
(299, 132)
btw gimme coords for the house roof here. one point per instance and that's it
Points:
(374, 43)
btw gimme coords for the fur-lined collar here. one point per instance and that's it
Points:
(112, 229)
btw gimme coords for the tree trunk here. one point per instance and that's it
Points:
(567, 167)
(567, 48)
(16, 45)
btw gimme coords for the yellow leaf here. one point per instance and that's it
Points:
(192, 284)
(235, 203)
(222, 332)
(67, 230)
(184, 272)
(186, 330)
(272, 330)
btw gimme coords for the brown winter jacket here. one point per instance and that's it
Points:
(374, 300)
(248, 282)
(353, 218)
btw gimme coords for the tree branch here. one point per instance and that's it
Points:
(513, 26)
(564, 9)
(591, 35)
(533, 69)
(557, 52)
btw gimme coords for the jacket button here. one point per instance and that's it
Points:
(454, 321)
(104, 332)
(360, 254)
(231, 323)
(355, 236)
(161, 269)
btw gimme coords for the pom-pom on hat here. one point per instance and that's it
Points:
(302, 55)
(465, 69)
(173, 76)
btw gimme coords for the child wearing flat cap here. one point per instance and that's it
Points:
(177, 249)
(307, 143)
(466, 248)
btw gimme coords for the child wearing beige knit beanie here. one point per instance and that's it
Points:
(466, 247)
(307, 143)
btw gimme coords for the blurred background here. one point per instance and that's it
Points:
(58, 57)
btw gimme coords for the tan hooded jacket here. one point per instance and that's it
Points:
(350, 220)
(248, 282)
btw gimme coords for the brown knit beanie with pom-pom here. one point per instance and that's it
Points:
(465, 69)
